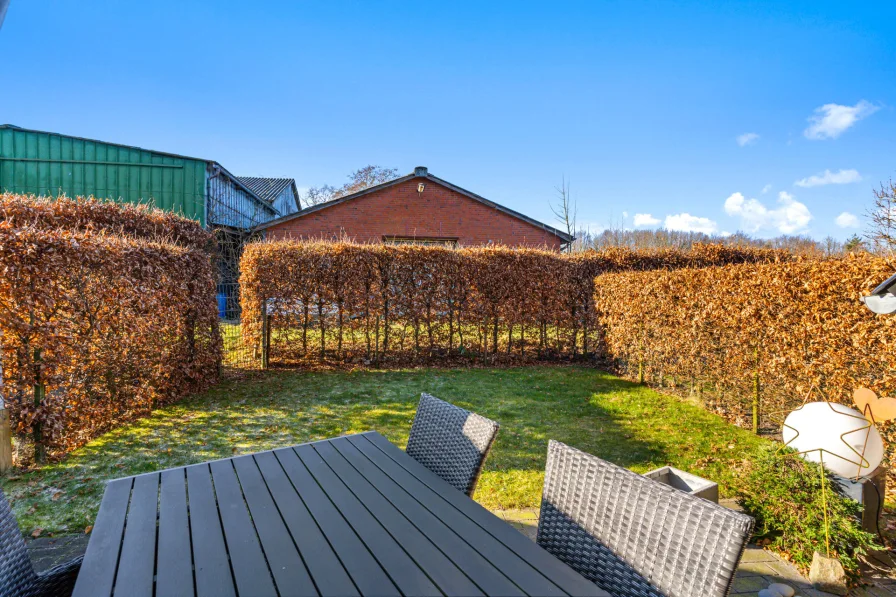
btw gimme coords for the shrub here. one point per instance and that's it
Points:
(783, 493)
(346, 301)
(781, 328)
(97, 328)
(102, 217)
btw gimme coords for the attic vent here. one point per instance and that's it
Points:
(420, 171)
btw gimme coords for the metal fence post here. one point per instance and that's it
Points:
(756, 393)
(641, 363)
(265, 335)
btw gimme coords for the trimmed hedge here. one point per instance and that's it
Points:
(97, 328)
(724, 332)
(338, 302)
(91, 215)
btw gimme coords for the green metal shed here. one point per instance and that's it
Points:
(50, 164)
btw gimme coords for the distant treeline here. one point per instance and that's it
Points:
(672, 239)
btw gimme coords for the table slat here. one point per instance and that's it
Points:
(246, 557)
(366, 572)
(510, 563)
(400, 567)
(559, 573)
(284, 560)
(97, 574)
(442, 571)
(346, 516)
(327, 571)
(210, 562)
(477, 567)
(174, 559)
(137, 561)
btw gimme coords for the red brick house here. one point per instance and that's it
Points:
(418, 208)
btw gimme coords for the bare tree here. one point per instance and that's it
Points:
(662, 238)
(368, 176)
(831, 247)
(565, 210)
(882, 220)
(360, 179)
(316, 195)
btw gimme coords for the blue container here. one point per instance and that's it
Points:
(222, 305)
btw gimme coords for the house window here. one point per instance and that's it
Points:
(421, 240)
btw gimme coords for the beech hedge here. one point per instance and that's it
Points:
(335, 302)
(105, 312)
(765, 332)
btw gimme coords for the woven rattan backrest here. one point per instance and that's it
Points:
(450, 441)
(633, 536)
(16, 573)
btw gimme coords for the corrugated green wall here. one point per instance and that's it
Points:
(51, 164)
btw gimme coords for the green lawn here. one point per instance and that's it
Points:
(622, 422)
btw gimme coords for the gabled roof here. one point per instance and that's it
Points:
(421, 173)
(270, 188)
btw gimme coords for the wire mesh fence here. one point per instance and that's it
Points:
(238, 352)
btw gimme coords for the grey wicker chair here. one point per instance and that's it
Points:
(17, 575)
(450, 441)
(633, 536)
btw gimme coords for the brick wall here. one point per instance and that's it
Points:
(400, 211)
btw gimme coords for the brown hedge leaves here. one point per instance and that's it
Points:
(102, 217)
(794, 324)
(338, 302)
(97, 327)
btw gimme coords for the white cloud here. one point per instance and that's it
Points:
(791, 216)
(828, 177)
(766, 189)
(747, 139)
(645, 220)
(685, 222)
(830, 120)
(847, 220)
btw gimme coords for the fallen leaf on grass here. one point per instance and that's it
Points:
(36, 532)
(87, 529)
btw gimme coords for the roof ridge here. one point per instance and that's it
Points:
(427, 176)
(267, 187)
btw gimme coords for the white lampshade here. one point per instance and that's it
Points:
(882, 305)
(820, 426)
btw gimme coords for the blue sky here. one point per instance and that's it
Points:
(766, 117)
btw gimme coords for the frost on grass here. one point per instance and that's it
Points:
(594, 411)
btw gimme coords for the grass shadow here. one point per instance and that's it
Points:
(622, 422)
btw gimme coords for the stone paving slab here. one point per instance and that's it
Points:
(47, 552)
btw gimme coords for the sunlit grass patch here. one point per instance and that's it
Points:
(594, 411)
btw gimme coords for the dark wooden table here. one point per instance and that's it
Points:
(347, 516)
